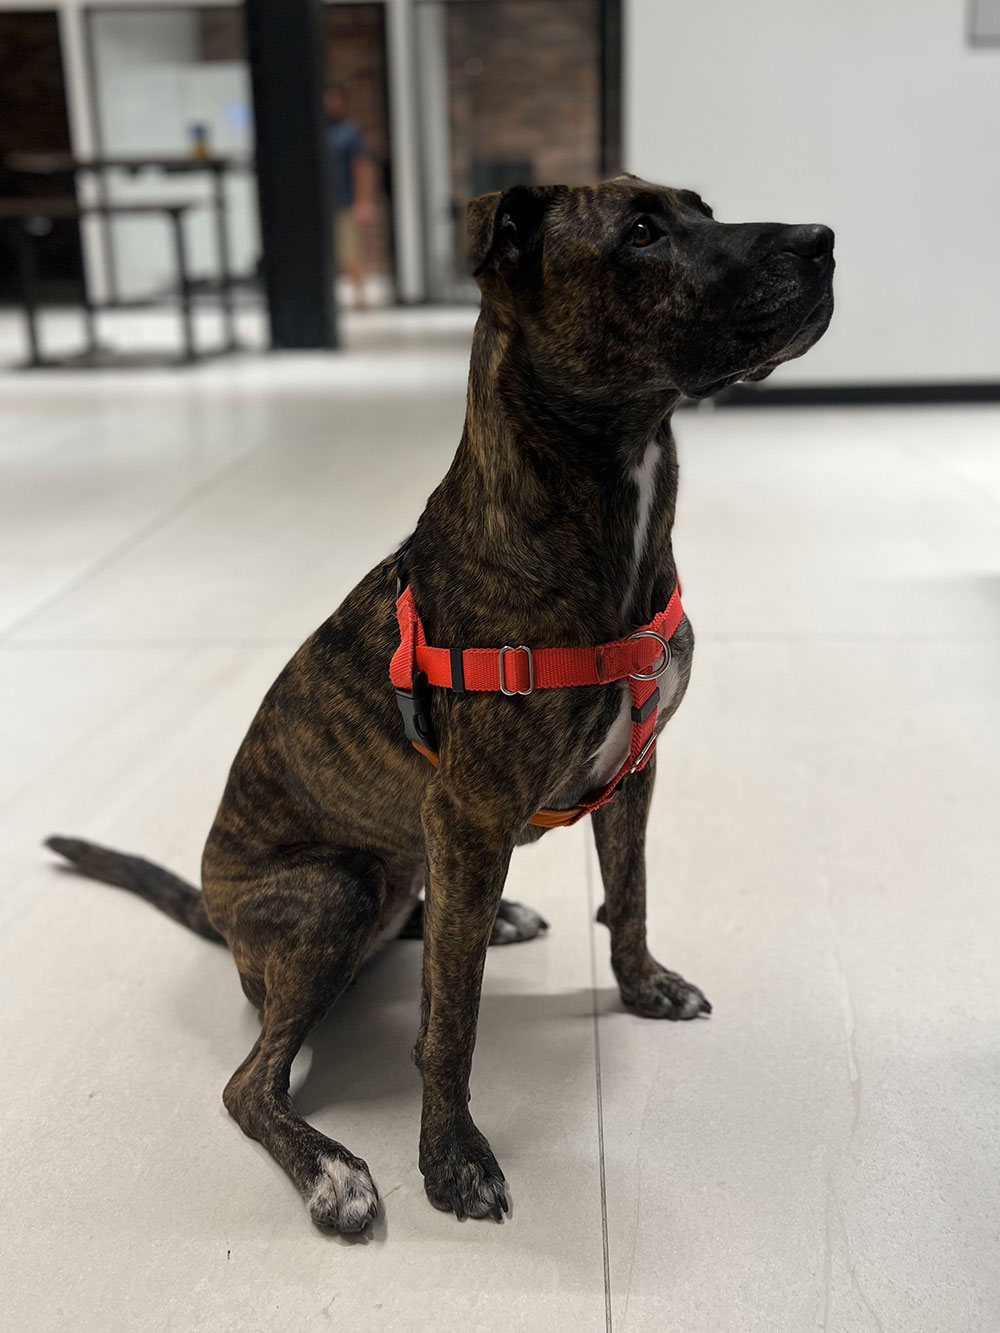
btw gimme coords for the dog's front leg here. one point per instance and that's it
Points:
(620, 833)
(467, 855)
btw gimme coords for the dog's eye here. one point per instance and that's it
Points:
(642, 233)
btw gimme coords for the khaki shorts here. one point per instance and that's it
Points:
(347, 239)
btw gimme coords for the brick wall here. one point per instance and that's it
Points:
(524, 96)
(222, 33)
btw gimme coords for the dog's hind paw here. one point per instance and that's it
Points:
(344, 1197)
(515, 923)
(662, 994)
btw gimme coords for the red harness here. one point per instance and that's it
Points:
(640, 658)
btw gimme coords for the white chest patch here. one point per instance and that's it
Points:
(608, 758)
(610, 755)
(644, 477)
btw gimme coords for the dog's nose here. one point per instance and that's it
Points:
(809, 242)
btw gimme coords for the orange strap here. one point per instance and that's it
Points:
(640, 658)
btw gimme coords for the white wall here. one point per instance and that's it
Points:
(870, 115)
(150, 88)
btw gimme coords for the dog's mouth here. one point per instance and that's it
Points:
(808, 332)
(715, 386)
(806, 335)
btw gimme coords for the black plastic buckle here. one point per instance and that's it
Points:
(397, 566)
(415, 709)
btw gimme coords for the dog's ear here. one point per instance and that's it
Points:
(505, 228)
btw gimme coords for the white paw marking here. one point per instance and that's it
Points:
(344, 1197)
(516, 923)
(480, 1193)
(523, 918)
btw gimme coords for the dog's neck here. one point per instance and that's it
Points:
(556, 513)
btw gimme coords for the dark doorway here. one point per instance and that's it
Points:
(33, 119)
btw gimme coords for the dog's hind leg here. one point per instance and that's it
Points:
(304, 932)
(513, 923)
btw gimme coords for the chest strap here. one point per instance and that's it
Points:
(515, 669)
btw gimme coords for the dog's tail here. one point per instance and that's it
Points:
(176, 897)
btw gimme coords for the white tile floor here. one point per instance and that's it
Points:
(821, 1154)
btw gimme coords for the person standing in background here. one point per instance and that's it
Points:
(353, 189)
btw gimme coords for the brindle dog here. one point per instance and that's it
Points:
(602, 307)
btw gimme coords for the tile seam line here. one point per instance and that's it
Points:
(599, 1092)
(129, 543)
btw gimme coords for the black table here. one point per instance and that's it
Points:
(15, 214)
(179, 164)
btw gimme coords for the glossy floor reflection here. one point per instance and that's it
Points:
(823, 861)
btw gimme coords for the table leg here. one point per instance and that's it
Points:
(89, 318)
(106, 225)
(222, 248)
(184, 283)
(27, 273)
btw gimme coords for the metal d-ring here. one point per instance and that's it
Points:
(658, 672)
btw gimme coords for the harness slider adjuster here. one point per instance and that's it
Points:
(642, 754)
(516, 648)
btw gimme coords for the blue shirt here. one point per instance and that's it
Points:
(343, 143)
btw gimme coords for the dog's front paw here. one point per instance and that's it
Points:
(657, 993)
(464, 1178)
(343, 1197)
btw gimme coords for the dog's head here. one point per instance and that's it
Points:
(630, 288)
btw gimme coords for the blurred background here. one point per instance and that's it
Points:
(876, 119)
(446, 100)
(235, 318)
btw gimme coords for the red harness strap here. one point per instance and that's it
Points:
(640, 658)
